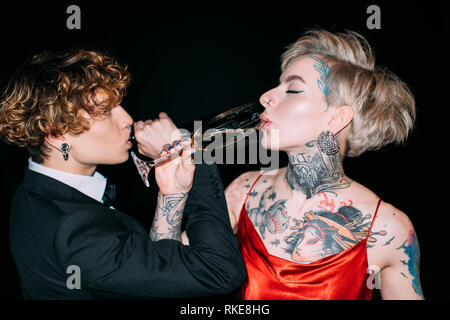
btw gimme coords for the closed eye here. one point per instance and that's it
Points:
(294, 91)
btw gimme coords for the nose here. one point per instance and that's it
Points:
(267, 99)
(125, 119)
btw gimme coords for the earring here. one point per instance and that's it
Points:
(328, 143)
(65, 151)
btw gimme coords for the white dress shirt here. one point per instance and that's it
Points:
(92, 186)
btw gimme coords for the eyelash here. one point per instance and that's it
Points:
(293, 91)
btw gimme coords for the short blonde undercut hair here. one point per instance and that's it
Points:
(384, 107)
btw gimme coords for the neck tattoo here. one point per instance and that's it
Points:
(313, 172)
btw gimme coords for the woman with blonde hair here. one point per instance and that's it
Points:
(308, 231)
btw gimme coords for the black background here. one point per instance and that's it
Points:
(191, 59)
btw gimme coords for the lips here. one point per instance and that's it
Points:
(130, 140)
(131, 137)
(265, 121)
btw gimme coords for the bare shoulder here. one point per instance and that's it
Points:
(398, 233)
(393, 220)
(392, 229)
(389, 219)
(397, 219)
(237, 190)
(398, 256)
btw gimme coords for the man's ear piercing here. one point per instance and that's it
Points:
(65, 151)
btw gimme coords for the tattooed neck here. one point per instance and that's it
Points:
(312, 171)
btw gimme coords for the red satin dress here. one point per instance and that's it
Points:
(341, 276)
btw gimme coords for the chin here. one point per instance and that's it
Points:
(117, 159)
(271, 139)
(124, 158)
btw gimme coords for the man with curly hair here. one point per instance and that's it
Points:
(65, 109)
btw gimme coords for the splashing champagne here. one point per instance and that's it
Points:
(239, 120)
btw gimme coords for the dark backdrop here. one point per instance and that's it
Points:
(194, 59)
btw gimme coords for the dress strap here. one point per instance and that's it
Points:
(245, 202)
(374, 216)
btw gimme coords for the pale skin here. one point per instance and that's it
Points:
(174, 178)
(298, 112)
(317, 184)
(107, 142)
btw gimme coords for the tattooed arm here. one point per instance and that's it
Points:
(400, 278)
(168, 216)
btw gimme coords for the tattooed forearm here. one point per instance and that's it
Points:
(154, 234)
(168, 217)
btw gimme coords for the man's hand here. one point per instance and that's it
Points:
(176, 175)
(152, 135)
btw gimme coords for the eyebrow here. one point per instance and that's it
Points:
(293, 77)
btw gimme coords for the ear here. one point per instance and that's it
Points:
(341, 118)
(55, 142)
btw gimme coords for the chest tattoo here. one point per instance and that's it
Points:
(332, 227)
(274, 218)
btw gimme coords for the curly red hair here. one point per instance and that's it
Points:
(46, 94)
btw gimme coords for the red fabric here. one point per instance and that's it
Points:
(341, 276)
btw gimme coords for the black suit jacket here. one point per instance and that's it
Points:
(54, 226)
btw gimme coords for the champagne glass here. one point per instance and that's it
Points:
(240, 120)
